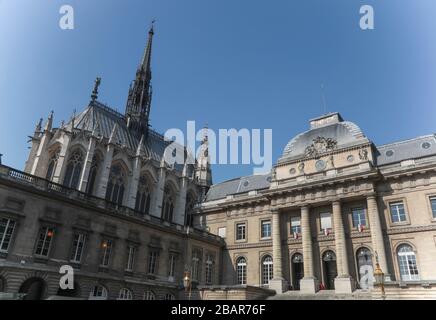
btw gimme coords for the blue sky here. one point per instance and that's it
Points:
(231, 64)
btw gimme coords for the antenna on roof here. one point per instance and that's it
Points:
(323, 98)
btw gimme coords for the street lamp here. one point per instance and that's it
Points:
(187, 283)
(379, 277)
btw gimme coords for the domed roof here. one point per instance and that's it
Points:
(329, 128)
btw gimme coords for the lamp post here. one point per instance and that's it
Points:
(379, 277)
(187, 283)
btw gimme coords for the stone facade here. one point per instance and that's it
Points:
(33, 204)
(337, 204)
(99, 193)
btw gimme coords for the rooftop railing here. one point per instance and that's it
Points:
(38, 183)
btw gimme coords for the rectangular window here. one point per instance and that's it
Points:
(222, 232)
(172, 265)
(44, 241)
(240, 231)
(359, 217)
(7, 227)
(78, 245)
(295, 225)
(209, 269)
(265, 229)
(326, 221)
(196, 266)
(130, 258)
(106, 247)
(152, 261)
(433, 206)
(398, 214)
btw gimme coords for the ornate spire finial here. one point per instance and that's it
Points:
(140, 92)
(73, 119)
(94, 94)
(49, 123)
(39, 125)
(205, 133)
(152, 26)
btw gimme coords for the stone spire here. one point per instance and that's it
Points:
(49, 124)
(139, 98)
(38, 128)
(203, 172)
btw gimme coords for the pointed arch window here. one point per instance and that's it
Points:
(189, 209)
(93, 174)
(52, 163)
(143, 196)
(168, 205)
(116, 185)
(74, 169)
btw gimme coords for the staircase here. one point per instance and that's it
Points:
(323, 295)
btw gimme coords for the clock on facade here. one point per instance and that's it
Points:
(320, 165)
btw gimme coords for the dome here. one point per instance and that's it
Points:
(329, 130)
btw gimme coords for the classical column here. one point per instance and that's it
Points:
(377, 234)
(84, 176)
(278, 282)
(343, 283)
(309, 284)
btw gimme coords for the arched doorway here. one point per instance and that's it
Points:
(365, 268)
(330, 270)
(33, 288)
(297, 270)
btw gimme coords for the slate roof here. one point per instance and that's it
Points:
(103, 119)
(346, 134)
(238, 185)
(416, 148)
